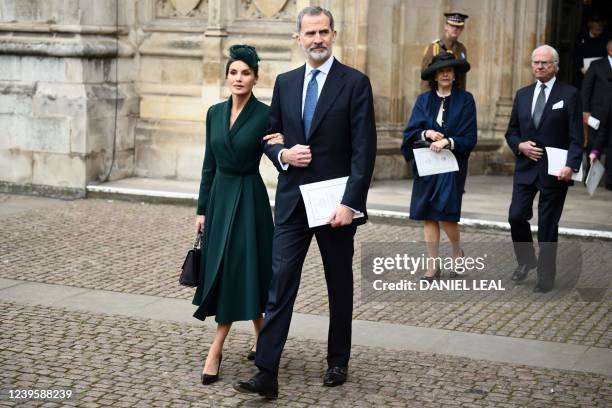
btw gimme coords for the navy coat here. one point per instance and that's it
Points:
(438, 197)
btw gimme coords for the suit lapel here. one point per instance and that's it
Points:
(527, 106)
(552, 99)
(296, 88)
(332, 88)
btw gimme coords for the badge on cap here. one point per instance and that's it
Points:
(456, 19)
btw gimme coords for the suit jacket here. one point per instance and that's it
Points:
(342, 136)
(561, 128)
(597, 88)
(604, 134)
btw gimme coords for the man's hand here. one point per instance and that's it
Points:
(439, 145)
(199, 224)
(593, 157)
(274, 138)
(341, 216)
(585, 117)
(530, 150)
(297, 156)
(433, 135)
(565, 174)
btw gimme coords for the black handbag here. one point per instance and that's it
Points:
(190, 275)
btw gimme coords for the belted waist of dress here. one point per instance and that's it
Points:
(236, 173)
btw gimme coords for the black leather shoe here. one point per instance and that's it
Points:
(540, 289)
(335, 376)
(208, 379)
(436, 276)
(262, 383)
(252, 353)
(521, 272)
(454, 274)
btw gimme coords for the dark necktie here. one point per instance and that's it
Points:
(539, 106)
(310, 103)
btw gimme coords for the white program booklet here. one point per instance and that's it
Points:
(594, 177)
(321, 198)
(593, 122)
(586, 62)
(429, 162)
(556, 160)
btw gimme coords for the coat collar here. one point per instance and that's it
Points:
(242, 118)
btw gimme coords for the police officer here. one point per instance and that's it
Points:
(449, 42)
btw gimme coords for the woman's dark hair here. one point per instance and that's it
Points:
(246, 54)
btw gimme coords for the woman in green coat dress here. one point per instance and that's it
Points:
(233, 210)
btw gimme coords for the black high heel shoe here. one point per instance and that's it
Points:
(435, 276)
(252, 353)
(208, 379)
(454, 274)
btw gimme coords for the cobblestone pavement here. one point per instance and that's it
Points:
(108, 360)
(138, 248)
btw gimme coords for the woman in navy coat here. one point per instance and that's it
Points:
(442, 118)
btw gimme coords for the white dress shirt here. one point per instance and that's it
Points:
(538, 89)
(610, 61)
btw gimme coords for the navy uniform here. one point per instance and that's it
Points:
(443, 44)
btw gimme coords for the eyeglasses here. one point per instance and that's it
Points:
(544, 63)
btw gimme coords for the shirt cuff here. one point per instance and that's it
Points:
(284, 166)
(354, 210)
(423, 135)
(452, 143)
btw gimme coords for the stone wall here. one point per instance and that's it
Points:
(81, 79)
(59, 97)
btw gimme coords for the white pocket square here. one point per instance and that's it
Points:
(558, 105)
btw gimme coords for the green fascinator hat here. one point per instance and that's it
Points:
(245, 53)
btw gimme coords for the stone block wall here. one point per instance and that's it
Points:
(85, 83)
(61, 109)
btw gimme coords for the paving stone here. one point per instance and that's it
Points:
(138, 248)
(377, 377)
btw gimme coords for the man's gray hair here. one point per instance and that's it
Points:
(314, 11)
(555, 54)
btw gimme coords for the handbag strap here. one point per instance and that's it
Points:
(197, 241)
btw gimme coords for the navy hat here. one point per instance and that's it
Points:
(456, 19)
(444, 60)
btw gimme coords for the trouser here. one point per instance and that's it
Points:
(289, 248)
(550, 207)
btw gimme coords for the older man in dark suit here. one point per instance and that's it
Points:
(325, 112)
(545, 114)
(596, 101)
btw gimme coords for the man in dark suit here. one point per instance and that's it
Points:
(325, 112)
(596, 95)
(545, 114)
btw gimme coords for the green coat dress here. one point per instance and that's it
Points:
(237, 252)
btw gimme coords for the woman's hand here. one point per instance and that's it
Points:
(199, 224)
(274, 138)
(433, 135)
(439, 145)
(593, 157)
